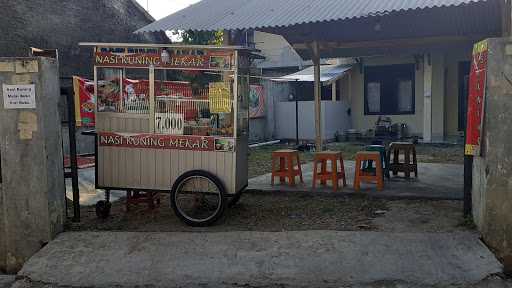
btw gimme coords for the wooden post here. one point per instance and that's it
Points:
(152, 99)
(349, 98)
(427, 99)
(506, 11)
(334, 90)
(318, 97)
(226, 38)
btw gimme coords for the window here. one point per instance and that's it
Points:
(389, 90)
(123, 90)
(191, 102)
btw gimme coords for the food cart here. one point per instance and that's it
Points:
(173, 118)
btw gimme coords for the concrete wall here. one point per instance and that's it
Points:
(32, 189)
(264, 129)
(492, 171)
(444, 94)
(334, 118)
(277, 51)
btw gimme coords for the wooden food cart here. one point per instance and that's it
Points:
(173, 118)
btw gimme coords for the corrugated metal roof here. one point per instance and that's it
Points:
(253, 14)
(327, 73)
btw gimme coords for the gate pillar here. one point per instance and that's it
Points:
(32, 189)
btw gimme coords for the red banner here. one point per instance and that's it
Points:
(476, 99)
(84, 102)
(179, 58)
(156, 141)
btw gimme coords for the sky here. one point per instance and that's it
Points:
(161, 8)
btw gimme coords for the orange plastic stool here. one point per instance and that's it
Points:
(334, 174)
(362, 176)
(286, 167)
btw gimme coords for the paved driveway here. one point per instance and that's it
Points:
(298, 259)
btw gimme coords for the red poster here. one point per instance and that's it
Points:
(257, 101)
(84, 102)
(476, 99)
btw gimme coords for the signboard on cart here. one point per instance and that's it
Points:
(169, 142)
(476, 98)
(169, 123)
(167, 58)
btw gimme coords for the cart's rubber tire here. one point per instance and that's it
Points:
(234, 199)
(103, 209)
(221, 207)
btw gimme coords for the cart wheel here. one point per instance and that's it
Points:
(103, 209)
(198, 198)
(234, 199)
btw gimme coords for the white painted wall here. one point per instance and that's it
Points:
(444, 94)
(278, 52)
(334, 118)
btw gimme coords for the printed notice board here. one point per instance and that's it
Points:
(476, 98)
(219, 94)
(19, 96)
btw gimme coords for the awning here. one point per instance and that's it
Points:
(213, 15)
(328, 73)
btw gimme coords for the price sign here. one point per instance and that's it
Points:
(169, 123)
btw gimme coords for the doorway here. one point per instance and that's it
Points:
(464, 70)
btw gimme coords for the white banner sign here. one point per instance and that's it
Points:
(19, 96)
(169, 123)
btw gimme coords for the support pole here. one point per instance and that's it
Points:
(506, 10)
(427, 98)
(318, 97)
(151, 99)
(468, 185)
(296, 121)
(334, 90)
(73, 153)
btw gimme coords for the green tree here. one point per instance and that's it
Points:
(192, 37)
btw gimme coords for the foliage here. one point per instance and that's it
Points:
(191, 37)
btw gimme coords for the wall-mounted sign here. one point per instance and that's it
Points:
(476, 98)
(19, 96)
(177, 58)
(169, 123)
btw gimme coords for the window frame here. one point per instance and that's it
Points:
(388, 76)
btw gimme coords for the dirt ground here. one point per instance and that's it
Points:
(292, 212)
(280, 211)
(260, 164)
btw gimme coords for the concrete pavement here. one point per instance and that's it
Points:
(297, 259)
(88, 193)
(6, 280)
(435, 181)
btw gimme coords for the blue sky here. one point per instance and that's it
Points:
(162, 8)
